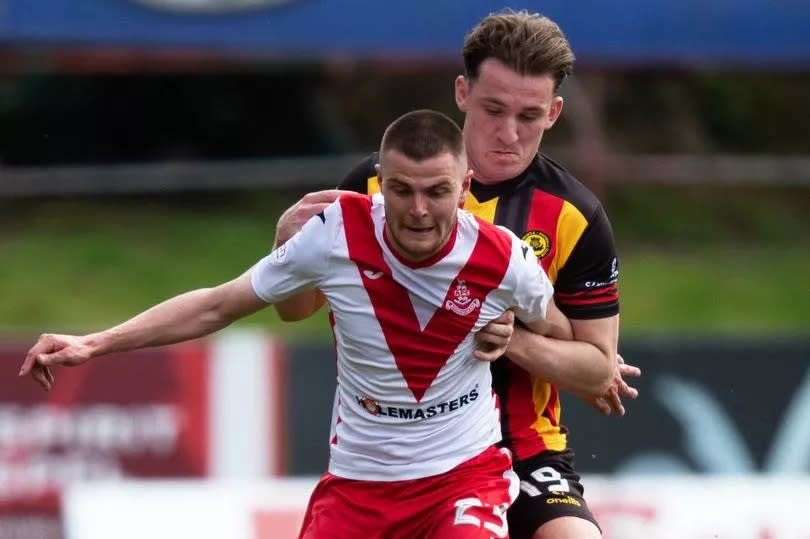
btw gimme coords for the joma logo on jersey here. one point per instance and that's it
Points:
(539, 241)
(462, 304)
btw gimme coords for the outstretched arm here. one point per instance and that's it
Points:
(184, 317)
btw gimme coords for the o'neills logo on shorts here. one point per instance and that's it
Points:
(211, 6)
(374, 408)
(462, 304)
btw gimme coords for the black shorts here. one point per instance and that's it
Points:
(549, 488)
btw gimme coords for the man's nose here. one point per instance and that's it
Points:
(419, 206)
(508, 131)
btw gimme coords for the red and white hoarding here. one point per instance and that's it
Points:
(172, 412)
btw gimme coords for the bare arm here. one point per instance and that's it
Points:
(184, 317)
(305, 304)
(585, 366)
(555, 325)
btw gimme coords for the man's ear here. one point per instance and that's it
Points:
(465, 187)
(462, 87)
(378, 170)
(555, 110)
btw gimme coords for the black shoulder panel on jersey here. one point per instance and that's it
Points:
(357, 178)
(551, 177)
(586, 283)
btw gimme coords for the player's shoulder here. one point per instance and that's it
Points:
(353, 204)
(551, 177)
(488, 231)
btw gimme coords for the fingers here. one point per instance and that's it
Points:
(39, 375)
(48, 375)
(493, 339)
(492, 343)
(327, 196)
(627, 391)
(501, 327)
(601, 406)
(28, 364)
(507, 317)
(302, 211)
(624, 388)
(493, 332)
(614, 401)
(43, 345)
(487, 352)
(629, 370)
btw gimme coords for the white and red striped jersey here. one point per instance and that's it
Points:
(412, 401)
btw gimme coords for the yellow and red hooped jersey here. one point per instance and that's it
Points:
(571, 236)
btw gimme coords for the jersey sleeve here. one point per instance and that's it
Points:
(586, 286)
(533, 289)
(357, 178)
(300, 263)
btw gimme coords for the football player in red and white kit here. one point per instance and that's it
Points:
(410, 279)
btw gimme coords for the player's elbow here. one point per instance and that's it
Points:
(300, 306)
(288, 314)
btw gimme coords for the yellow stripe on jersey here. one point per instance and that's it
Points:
(552, 437)
(570, 225)
(484, 210)
(373, 186)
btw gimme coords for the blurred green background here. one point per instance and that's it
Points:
(706, 256)
(702, 260)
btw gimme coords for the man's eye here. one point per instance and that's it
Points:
(493, 112)
(528, 117)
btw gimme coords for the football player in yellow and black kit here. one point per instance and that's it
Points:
(514, 64)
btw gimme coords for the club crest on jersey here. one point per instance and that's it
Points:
(539, 241)
(370, 405)
(462, 304)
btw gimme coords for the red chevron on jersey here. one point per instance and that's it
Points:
(421, 354)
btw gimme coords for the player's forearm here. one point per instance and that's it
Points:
(184, 317)
(579, 367)
(300, 306)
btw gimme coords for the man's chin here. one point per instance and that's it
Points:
(500, 173)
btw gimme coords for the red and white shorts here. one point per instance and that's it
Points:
(467, 502)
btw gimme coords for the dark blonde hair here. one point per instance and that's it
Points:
(528, 43)
(422, 134)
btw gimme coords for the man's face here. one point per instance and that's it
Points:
(506, 115)
(421, 199)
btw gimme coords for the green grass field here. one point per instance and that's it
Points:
(80, 265)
